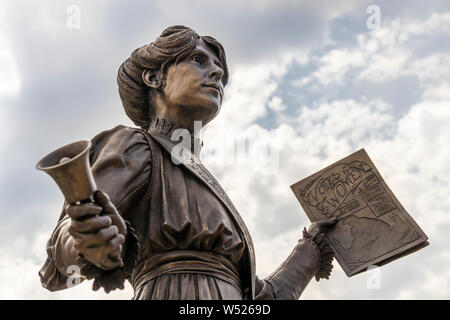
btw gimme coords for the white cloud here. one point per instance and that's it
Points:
(9, 88)
(251, 86)
(326, 135)
(411, 151)
(430, 70)
(386, 53)
(9, 77)
(335, 64)
(385, 66)
(276, 104)
(19, 276)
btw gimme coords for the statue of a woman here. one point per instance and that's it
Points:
(169, 228)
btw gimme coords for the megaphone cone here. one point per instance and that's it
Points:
(69, 167)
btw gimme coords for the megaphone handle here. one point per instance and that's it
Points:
(90, 199)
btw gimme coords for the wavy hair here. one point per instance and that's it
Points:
(173, 45)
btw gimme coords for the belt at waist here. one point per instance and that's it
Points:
(186, 261)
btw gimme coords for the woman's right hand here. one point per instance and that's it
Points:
(98, 231)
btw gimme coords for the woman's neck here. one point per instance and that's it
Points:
(173, 131)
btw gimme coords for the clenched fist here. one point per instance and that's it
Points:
(98, 231)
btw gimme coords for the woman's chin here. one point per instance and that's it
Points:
(201, 110)
(208, 111)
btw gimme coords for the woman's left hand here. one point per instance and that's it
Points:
(320, 226)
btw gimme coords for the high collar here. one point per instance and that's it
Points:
(166, 128)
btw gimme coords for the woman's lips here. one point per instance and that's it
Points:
(215, 87)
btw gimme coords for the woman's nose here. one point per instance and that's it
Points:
(216, 73)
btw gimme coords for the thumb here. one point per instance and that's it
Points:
(102, 199)
(332, 221)
(328, 223)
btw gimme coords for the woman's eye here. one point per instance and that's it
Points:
(197, 58)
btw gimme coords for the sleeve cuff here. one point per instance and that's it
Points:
(326, 254)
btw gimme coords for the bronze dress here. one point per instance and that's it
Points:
(190, 244)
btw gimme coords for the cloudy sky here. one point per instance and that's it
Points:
(323, 75)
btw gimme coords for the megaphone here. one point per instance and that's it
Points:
(69, 167)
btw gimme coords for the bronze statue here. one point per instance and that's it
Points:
(168, 228)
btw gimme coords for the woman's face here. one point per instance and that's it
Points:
(193, 89)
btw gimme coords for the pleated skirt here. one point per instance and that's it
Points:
(187, 286)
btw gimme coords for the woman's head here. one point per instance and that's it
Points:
(142, 76)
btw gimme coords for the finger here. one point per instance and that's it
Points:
(327, 223)
(116, 241)
(115, 252)
(313, 229)
(93, 224)
(83, 210)
(109, 263)
(116, 255)
(115, 246)
(111, 254)
(104, 235)
(333, 220)
(85, 241)
(117, 259)
(103, 199)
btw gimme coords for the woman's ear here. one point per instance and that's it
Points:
(151, 79)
